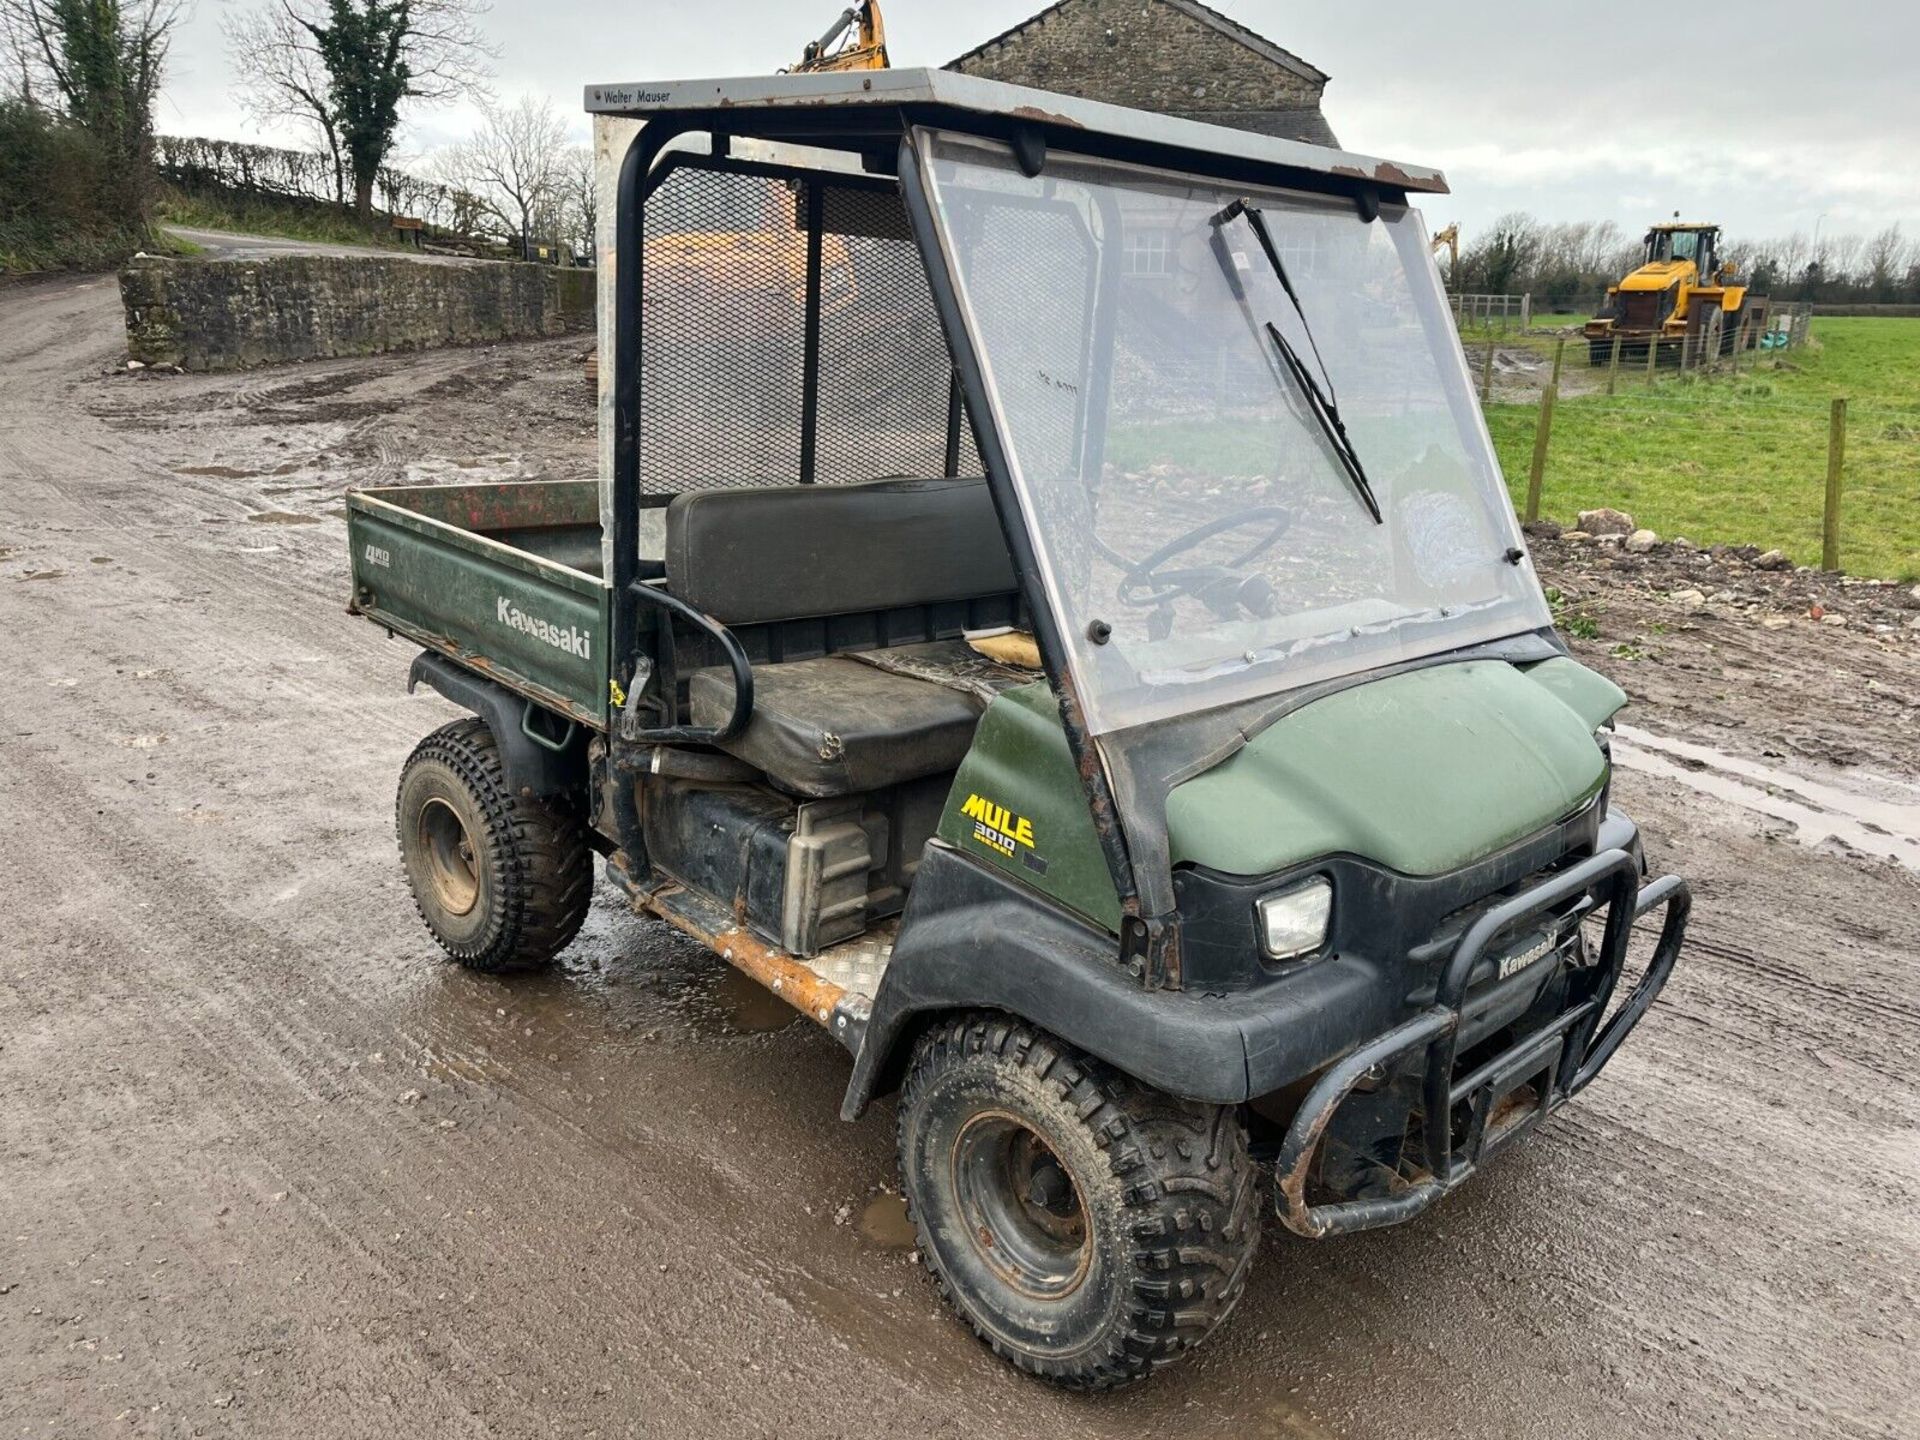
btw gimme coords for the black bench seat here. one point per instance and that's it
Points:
(847, 724)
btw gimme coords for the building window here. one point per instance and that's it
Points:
(1148, 253)
(1300, 253)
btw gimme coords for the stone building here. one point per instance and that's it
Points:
(1175, 56)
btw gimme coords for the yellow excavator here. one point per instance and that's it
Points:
(857, 41)
(760, 255)
(1682, 296)
(1449, 240)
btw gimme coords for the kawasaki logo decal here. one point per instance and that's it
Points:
(1511, 965)
(569, 638)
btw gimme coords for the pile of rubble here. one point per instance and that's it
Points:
(1608, 545)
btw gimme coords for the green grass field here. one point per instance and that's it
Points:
(1743, 460)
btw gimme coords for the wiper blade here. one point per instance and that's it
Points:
(1327, 413)
(1321, 401)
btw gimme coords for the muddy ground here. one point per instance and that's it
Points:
(269, 1167)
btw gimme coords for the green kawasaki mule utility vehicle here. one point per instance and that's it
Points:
(1052, 614)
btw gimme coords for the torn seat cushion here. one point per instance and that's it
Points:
(839, 725)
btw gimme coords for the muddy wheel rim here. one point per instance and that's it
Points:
(453, 873)
(1020, 1209)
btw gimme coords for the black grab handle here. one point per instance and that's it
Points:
(736, 661)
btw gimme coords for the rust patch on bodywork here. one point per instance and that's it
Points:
(1046, 117)
(780, 972)
(1388, 173)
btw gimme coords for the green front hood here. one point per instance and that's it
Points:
(1422, 772)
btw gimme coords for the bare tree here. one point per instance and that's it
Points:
(282, 77)
(1886, 260)
(515, 165)
(373, 59)
(104, 61)
(581, 182)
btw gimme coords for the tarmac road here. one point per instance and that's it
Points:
(269, 1167)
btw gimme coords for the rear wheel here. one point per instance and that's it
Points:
(1730, 331)
(1089, 1229)
(502, 880)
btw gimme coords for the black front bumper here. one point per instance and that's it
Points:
(1549, 1064)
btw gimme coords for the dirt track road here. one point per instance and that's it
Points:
(268, 1167)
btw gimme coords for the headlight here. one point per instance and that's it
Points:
(1604, 740)
(1294, 922)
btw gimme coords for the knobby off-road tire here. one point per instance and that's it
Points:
(501, 881)
(1138, 1221)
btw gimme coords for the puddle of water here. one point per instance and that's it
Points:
(740, 1005)
(885, 1222)
(282, 517)
(215, 472)
(1884, 822)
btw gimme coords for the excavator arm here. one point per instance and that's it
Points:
(867, 50)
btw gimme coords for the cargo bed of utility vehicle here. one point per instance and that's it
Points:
(503, 578)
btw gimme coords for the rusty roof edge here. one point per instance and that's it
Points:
(971, 93)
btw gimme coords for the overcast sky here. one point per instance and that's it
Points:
(1763, 115)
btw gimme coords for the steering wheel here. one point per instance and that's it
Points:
(1150, 584)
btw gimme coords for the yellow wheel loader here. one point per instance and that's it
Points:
(1682, 299)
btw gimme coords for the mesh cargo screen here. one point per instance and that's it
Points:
(724, 335)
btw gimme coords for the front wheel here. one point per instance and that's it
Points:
(502, 880)
(1089, 1229)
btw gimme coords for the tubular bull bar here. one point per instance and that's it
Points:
(1564, 1055)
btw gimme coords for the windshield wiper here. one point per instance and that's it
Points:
(1327, 412)
(1322, 403)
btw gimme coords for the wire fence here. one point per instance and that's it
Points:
(1492, 312)
(1725, 443)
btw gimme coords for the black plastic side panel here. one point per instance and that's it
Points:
(531, 768)
(728, 842)
(972, 939)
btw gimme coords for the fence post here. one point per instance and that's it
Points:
(1740, 340)
(1542, 436)
(1526, 311)
(1653, 357)
(1559, 359)
(1486, 376)
(1836, 460)
(1613, 368)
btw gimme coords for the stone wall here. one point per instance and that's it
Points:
(1146, 54)
(231, 314)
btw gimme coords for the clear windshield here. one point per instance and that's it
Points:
(1203, 532)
